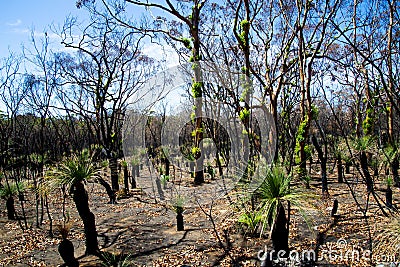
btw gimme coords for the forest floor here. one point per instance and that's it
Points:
(144, 227)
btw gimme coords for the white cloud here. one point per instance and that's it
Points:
(23, 31)
(15, 23)
(162, 52)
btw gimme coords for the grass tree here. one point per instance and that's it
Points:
(178, 205)
(8, 192)
(66, 248)
(275, 197)
(391, 158)
(73, 173)
(389, 192)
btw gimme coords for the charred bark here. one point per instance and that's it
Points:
(280, 232)
(114, 173)
(66, 250)
(322, 159)
(110, 192)
(81, 200)
(367, 175)
(10, 208)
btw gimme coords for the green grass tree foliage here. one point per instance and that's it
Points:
(116, 259)
(73, 173)
(8, 192)
(391, 158)
(274, 195)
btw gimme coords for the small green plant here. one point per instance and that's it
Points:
(273, 193)
(104, 164)
(164, 179)
(211, 171)
(364, 143)
(11, 189)
(389, 182)
(306, 179)
(251, 219)
(160, 170)
(178, 204)
(124, 164)
(116, 260)
(368, 122)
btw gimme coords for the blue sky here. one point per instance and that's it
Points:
(19, 17)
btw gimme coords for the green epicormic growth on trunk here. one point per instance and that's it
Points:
(196, 89)
(245, 25)
(368, 123)
(186, 43)
(244, 114)
(301, 134)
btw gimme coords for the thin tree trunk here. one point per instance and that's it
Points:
(126, 178)
(137, 168)
(340, 169)
(114, 173)
(364, 167)
(389, 197)
(133, 178)
(110, 192)
(49, 216)
(323, 160)
(347, 167)
(166, 167)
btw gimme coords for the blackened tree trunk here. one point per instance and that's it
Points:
(137, 168)
(133, 177)
(179, 222)
(114, 173)
(389, 197)
(10, 208)
(81, 200)
(334, 208)
(166, 167)
(322, 159)
(364, 167)
(66, 250)
(126, 178)
(340, 169)
(110, 192)
(347, 167)
(280, 232)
